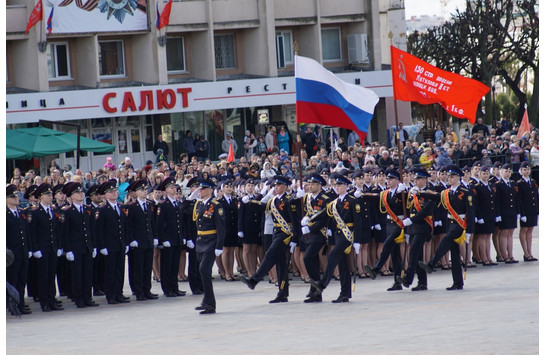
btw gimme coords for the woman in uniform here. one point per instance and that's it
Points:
(528, 195)
(508, 212)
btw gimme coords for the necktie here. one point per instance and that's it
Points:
(81, 209)
(116, 209)
(144, 207)
(49, 212)
(16, 214)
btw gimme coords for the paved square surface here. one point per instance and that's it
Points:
(496, 313)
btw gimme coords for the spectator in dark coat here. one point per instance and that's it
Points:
(160, 144)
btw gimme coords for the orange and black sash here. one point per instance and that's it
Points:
(419, 208)
(393, 216)
(446, 202)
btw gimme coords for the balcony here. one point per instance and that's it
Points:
(16, 20)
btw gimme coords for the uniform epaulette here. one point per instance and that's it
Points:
(324, 196)
(103, 203)
(32, 209)
(350, 196)
(463, 188)
(66, 208)
(161, 202)
(214, 201)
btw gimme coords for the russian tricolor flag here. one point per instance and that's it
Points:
(323, 98)
(50, 21)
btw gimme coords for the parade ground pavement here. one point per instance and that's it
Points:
(495, 313)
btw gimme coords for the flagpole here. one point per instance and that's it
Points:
(403, 197)
(42, 45)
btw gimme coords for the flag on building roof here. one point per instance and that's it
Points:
(158, 15)
(323, 98)
(416, 80)
(35, 16)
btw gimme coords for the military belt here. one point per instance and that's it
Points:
(213, 231)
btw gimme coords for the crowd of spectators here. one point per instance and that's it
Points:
(267, 156)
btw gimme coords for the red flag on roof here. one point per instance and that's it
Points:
(164, 18)
(35, 16)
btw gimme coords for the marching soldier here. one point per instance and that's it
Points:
(419, 226)
(169, 233)
(314, 232)
(46, 246)
(391, 204)
(345, 215)
(79, 245)
(230, 208)
(110, 235)
(209, 217)
(18, 242)
(528, 194)
(281, 209)
(459, 203)
(140, 237)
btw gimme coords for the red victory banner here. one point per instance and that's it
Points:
(416, 80)
(35, 16)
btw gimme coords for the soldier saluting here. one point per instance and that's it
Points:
(209, 217)
(458, 202)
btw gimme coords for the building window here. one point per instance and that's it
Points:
(284, 48)
(111, 59)
(175, 54)
(58, 65)
(224, 49)
(331, 44)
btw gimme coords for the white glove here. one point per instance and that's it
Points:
(37, 254)
(480, 221)
(134, 244)
(440, 223)
(498, 219)
(372, 227)
(402, 187)
(126, 249)
(94, 253)
(241, 234)
(476, 220)
(292, 247)
(329, 233)
(184, 241)
(378, 227)
(70, 256)
(304, 221)
(357, 248)
(59, 252)
(435, 223)
(407, 238)
(245, 199)
(305, 230)
(104, 251)
(523, 219)
(29, 254)
(194, 195)
(407, 222)
(218, 252)
(468, 235)
(518, 216)
(155, 243)
(414, 190)
(357, 193)
(300, 193)
(190, 244)
(166, 244)
(264, 189)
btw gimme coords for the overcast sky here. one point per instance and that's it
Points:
(430, 7)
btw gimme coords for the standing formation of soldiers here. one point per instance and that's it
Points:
(360, 224)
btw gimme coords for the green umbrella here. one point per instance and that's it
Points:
(41, 141)
(15, 154)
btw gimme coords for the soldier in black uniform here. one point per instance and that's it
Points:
(391, 204)
(32, 276)
(169, 233)
(140, 237)
(230, 208)
(99, 262)
(209, 217)
(281, 207)
(419, 226)
(485, 214)
(344, 217)
(79, 245)
(459, 204)
(362, 181)
(508, 211)
(250, 215)
(64, 274)
(528, 194)
(314, 232)
(111, 241)
(18, 242)
(378, 233)
(46, 246)
(190, 235)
